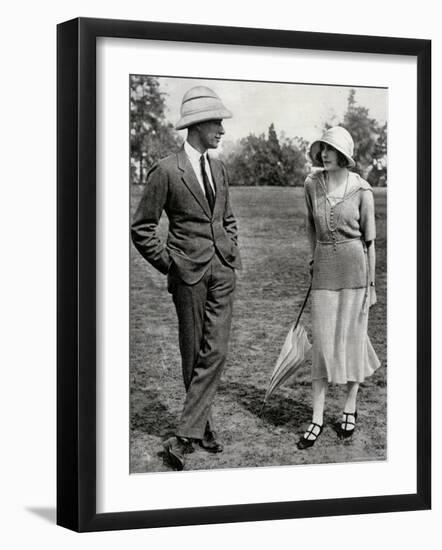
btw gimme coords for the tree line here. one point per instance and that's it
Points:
(266, 159)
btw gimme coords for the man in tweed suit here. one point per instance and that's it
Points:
(199, 257)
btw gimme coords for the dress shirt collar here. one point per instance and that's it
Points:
(192, 153)
(194, 158)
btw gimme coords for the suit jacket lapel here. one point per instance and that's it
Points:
(191, 181)
(217, 178)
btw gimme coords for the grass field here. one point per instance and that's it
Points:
(270, 288)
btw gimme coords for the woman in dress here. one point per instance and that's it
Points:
(341, 230)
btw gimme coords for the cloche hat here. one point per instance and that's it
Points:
(199, 105)
(339, 138)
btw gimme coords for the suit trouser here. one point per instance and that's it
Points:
(204, 313)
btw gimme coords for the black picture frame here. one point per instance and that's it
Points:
(77, 286)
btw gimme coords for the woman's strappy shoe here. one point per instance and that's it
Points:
(348, 424)
(310, 436)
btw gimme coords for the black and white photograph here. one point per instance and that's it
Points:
(258, 273)
(221, 248)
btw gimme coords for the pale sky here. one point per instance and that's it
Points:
(295, 109)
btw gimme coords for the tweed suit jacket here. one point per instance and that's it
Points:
(194, 232)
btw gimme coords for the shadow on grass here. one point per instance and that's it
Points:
(278, 411)
(154, 418)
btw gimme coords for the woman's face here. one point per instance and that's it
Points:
(329, 157)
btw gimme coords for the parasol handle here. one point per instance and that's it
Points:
(303, 305)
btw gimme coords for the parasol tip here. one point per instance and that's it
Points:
(262, 408)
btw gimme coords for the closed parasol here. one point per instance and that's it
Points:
(292, 355)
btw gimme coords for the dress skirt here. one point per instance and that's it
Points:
(342, 351)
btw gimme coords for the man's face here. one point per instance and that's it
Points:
(210, 133)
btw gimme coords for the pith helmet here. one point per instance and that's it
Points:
(339, 138)
(200, 104)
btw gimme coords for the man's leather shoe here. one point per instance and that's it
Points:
(210, 444)
(176, 448)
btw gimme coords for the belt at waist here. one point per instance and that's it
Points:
(333, 242)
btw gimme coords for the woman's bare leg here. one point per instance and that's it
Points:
(319, 388)
(352, 393)
(348, 423)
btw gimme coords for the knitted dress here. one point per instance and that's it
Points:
(337, 230)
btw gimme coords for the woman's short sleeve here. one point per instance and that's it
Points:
(308, 184)
(368, 223)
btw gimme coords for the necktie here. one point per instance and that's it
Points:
(207, 187)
